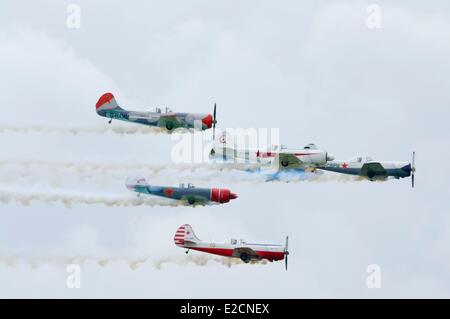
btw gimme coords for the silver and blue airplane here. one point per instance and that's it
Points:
(107, 107)
(185, 192)
(365, 166)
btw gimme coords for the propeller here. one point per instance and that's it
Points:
(286, 253)
(213, 152)
(413, 168)
(214, 123)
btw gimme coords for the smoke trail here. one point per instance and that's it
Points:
(99, 172)
(202, 260)
(64, 174)
(90, 166)
(37, 261)
(74, 130)
(69, 198)
(133, 263)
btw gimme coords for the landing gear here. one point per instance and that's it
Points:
(169, 126)
(284, 163)
(187, 251)
(109, 122)
(245, 258)
(191, 201)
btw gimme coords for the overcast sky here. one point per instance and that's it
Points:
(314, 70)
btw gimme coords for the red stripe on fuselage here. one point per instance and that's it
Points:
(228, 252)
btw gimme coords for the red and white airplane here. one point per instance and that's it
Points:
(247, 252)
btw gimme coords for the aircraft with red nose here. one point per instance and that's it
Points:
(247, 252)
(185, 192)
(107, 106)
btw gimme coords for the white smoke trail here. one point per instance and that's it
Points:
(134, 263)
(74, 130)
(107, 172)
(69, 198)
(58, 260)
(91, 166)
(65, 174)
(202, 260)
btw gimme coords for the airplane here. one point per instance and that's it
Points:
(247, 252)
(373, 170)
(277, 156)
(186, 193)
(107, 107)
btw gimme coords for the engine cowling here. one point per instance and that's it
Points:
(222, 195)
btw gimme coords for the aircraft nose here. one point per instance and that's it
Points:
(233, 196)
(407, 169)
(208, 120)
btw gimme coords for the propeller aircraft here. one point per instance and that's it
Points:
(107, 107)
(247, 252)
(278, 157)
(186, 193)
(373, 170)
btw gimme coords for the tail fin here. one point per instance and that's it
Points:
(184, 234)
(132, 182)
(224, 146)
(106, 102)
(222, 139)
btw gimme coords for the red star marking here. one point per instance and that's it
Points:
(344, 165)
(168, 192)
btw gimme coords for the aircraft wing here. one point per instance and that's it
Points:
(142, 117)
(374, 169)
(287, 160)
(169, 121)
(171, 116)
(239, 251)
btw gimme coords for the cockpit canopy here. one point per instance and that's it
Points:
(276, 147)
(360, 159)
(234, 241)
(158, 110)
(188, 185)
(310, 146)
